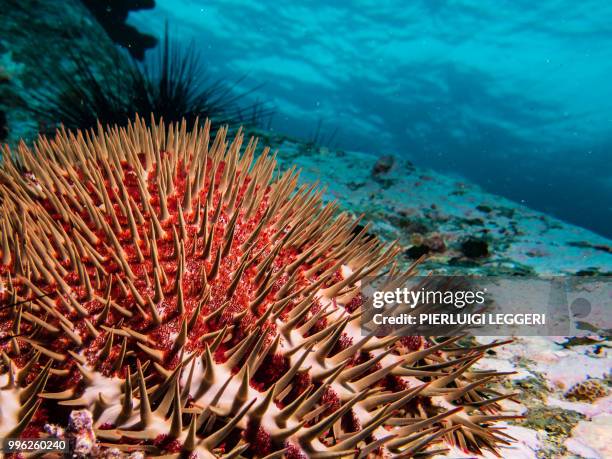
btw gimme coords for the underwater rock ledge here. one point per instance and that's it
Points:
(460, 227)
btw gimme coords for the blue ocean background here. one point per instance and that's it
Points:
(513, 95)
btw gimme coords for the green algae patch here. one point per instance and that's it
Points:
(531, 388)
(557, 423)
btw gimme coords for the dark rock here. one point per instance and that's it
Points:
(359, 228)
(588, 272)
(484, 208)
(354, 185)
(410, 225)
(474, 221)
(422, 245)
(435, 242)
(588, 245)
(417, 251)
(112, 14)
(383, 165)
(475, 248)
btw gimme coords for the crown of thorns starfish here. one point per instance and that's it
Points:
(198, 303)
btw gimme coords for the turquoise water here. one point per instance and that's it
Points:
(514, 95)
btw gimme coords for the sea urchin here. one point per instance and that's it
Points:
(197, 304)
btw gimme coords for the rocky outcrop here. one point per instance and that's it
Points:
(112, 14)
(37, 38)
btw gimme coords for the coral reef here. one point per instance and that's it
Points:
(193, 302)
(589, 391)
